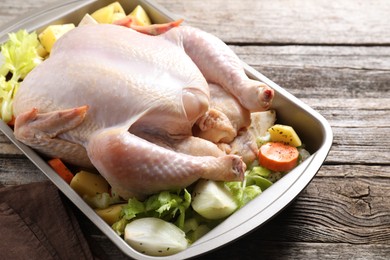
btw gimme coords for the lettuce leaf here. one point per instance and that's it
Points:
(7, 89)
(18, 56)
(242, 192)
(169, 206)
(258, 176)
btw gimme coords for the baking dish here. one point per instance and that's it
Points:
(313, 129)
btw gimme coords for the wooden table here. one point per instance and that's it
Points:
(335, 56)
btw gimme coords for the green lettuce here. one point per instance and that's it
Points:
(7, 90)
(242, 192)
(18, 56)
(259, 176)
(169, 206)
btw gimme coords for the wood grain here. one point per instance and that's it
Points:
(316, 22)
(335, 56)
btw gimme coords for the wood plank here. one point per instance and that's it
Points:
(15, 171)
(354, 146)
(7, 148)
(320, 82)
(324, 72)
(274, 250)
(353, 113)
(335, 57)
(353, 171)
(286, 22)
(254, 246)
(271, 22)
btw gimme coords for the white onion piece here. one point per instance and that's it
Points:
(212, 200)
(155, 237)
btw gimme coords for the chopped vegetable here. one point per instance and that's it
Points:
(109, 13)
(242, 192)
(213, 200)
(52, 33)
(255, 182)
(156, 237)
(190, 224)
(19, 55)
(260, 140)
(87, 19)
(199, 232)
(166, 205)
(278, 156)
(258, 176)
(101, 200)
(89, 184)
(140, 16)
(303, 154)
(94, 189)
(285, 134)
(111, 214)
(60, 168)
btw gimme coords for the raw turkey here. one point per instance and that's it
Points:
(126, 103)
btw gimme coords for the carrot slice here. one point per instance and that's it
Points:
(278, 156)
(60, 168)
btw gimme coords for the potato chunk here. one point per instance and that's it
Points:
(111, 214)
(109, 13)
(141, 16)
(52, 33)
(89, 184)
(285, 134)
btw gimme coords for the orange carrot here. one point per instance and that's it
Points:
(60, 168)
(12, 122)
(278, 156)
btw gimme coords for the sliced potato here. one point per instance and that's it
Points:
(111, 214)
(89, 184)
(109, 13)
(285, 134)
(141, 16)
(52, 33)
